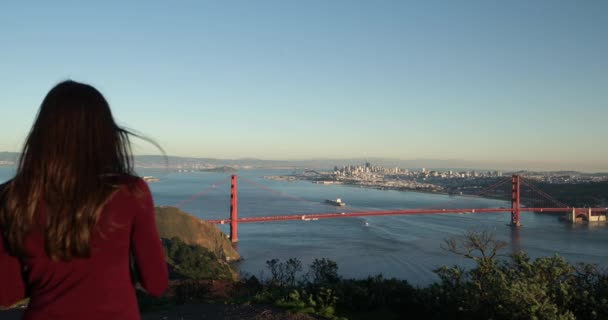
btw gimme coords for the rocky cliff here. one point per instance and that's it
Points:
(173, 222)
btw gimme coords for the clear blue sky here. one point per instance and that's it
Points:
(523, 81)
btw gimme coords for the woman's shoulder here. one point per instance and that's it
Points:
(129, 192)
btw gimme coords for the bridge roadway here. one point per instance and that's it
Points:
(398, 212)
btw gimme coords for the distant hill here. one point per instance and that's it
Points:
(159, 161)
(9, 157)
(156, 161)
(173, 222)
(329, 163)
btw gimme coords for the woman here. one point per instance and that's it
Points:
(74, 213)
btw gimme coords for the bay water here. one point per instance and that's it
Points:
(405, 247)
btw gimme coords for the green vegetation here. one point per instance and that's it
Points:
(497, 287)
(313, 295)
(197, 253)
(192, 268)
(190, 261)
(515, 287)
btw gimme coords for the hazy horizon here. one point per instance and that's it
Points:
(434, 163)
(515, 83)
(407, 163)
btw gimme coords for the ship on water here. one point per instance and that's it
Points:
(338, 202)
(150, 179)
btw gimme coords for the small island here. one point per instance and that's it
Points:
(219, 169)
(281, 178)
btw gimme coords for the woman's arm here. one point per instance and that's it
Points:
(12, 285)
(147, 248)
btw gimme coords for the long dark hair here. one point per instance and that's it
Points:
(73, 160)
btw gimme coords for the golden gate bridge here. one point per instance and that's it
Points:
(516, 182)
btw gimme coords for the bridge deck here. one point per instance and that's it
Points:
(398, 212)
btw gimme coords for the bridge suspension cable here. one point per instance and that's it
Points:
(480, 193)
(204, 191)
(544, 194)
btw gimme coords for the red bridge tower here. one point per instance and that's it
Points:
(234, 210)
(515, 201)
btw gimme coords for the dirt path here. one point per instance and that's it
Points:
(204, 312)
(224, 312)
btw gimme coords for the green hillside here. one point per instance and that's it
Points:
(191, 261)
(173, 222)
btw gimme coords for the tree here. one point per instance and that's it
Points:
(323, 272)
(516, 288)
(480, 246)
(284, 274)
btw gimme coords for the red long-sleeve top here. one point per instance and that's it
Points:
(98, 287)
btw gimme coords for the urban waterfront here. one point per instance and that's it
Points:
(407, 247)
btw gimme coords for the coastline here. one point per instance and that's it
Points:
(379, 187)
(401, 189)
(368, 186)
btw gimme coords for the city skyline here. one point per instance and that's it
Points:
(510, 83)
